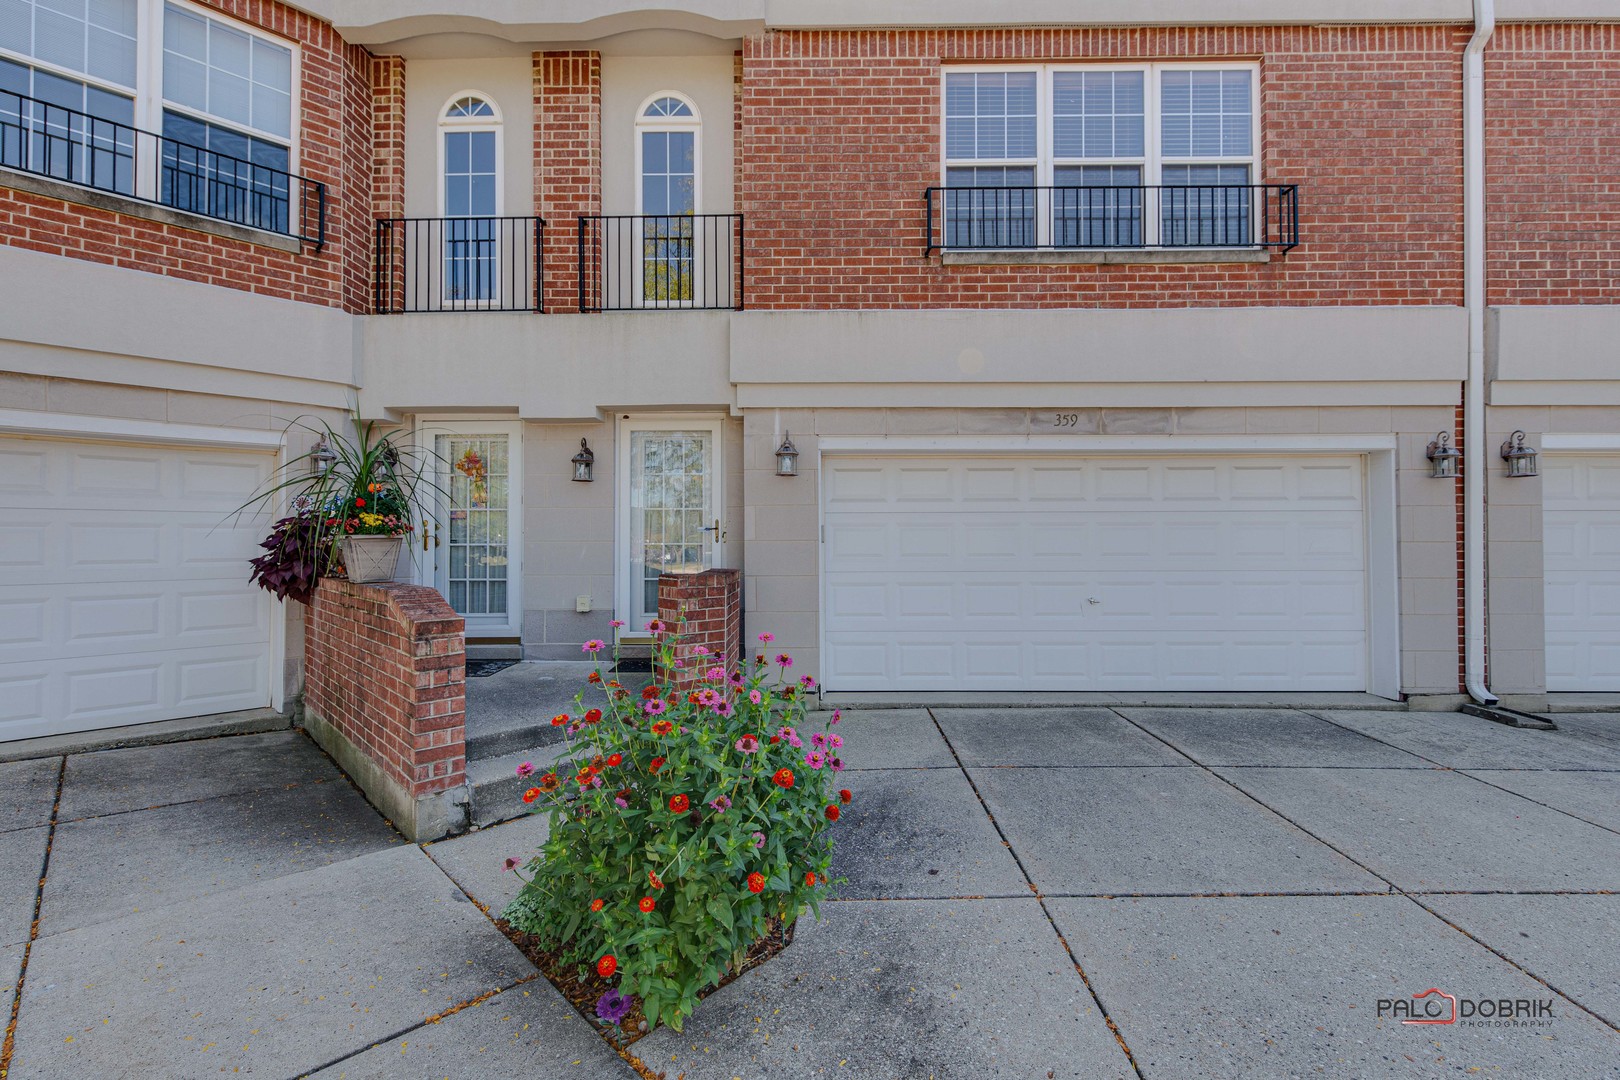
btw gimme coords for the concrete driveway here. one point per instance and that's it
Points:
(1031, 893)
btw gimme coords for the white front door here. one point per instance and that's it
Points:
(124, 594)
(477, 559)
(1058, 572)
(1581, 549)
(669, 509)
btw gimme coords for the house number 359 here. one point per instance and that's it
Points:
(1066, 419)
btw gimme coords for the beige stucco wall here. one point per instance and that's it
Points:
(627, 83)
(1554, 354)
(429, 85)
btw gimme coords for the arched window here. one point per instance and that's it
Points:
(668, 194)
(470, 197)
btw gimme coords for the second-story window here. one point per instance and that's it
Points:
(470, 193)
(1100, 156)
(667, 130)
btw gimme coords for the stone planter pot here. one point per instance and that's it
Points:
(371, 558)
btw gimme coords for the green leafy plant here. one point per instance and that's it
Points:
(362, 484)
(683, 826)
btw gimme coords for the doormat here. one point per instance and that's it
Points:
(478, 669)
(634, 665)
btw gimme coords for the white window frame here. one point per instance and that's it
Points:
(147, 93)
(645, 124)
(622, 584)
(495, 124)
(1152, 161)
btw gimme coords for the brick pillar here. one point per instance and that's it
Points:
(388, 173)
(384, 682)
(706, 611)
(567, 162)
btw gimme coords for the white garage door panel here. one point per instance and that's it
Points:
(1581, 549)
(1095, 574)
(123, 585)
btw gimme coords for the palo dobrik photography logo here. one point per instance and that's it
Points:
(1435, 1006)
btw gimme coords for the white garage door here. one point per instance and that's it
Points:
(1075, 573)
(123, 588)
(1581, 518)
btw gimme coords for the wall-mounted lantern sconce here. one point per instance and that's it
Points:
(787, 458)
(1444, 456)
(321, 458)
(583, 462)
(1521, 459)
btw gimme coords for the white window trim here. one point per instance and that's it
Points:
(715, 427)
(427, 430)
(495, 124)
(694, 123)
(147, 93)
(1152, 161)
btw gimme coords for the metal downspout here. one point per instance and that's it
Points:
(1475, 460)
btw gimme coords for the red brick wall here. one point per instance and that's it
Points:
(842, 131)
(567, 161)
(1552, 145)
(334, 147)
(706, 611)
(386, 666)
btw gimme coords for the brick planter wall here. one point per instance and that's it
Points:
(711, 605)
(385, 672)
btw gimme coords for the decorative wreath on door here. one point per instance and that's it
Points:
(471, 465)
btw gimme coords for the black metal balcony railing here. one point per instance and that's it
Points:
(458, 264)
(77, 148)
(1066, 218)
(650, 262)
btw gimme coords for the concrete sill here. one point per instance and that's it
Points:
(1105, 257)
(167, 215)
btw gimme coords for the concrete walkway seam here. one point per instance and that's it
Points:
(9, 1046)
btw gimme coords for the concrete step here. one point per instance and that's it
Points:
(497, 737)
(495, 790)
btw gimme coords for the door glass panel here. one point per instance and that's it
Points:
(476, 519)
(671, 511)
(669, 199)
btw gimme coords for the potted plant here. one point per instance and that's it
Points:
(352, 497)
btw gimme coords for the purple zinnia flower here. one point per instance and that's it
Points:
(815, 759)
(655, 706)
(724, 708)
(818, 740)
(784, 659)
(837, 765)
(721, 804)
(526, 769)
(613, 1006)
(759, 840)
(806, 681)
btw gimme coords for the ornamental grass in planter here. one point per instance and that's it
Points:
(689, 830)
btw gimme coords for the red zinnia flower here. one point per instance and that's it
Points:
(596, 905)
(663, 727)
(615, 760)
(783, 778)
(691, 699)
(559, 720)
(531, 795)
(359, 502)
(593, 677)
(647, 904)
(756, 882)
(832, 812)
(654, 880)
(548, 782)
(679, 804)
(845, 796)
(606, 966)
(648, 693)
(809, 879)
(775, 739)
(593, 716)
(655, 764)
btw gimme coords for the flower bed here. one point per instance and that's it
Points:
(684, 827)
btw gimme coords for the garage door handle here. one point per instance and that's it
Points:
(1092, 600)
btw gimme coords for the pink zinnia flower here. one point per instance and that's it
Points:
(834, 742)
(616, 623)
(759, 840)
(806, 681)
(655, 706)
(786, 732)
(724, 708)
(837, 765)
(784, 659)
(818, 740)
(748, 744)
(618, 800)
(837, 716)
(721, 804)
(525, 769)
(511, 863)
(707, 697)
(815, 759)
(767, 638)
(715, 674)
(699, 650)
(655, 627)
(593, 645)
(755, 696)
(795, 742)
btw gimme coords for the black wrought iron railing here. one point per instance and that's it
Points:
(1110, 216)
(89, 151)
(652, 262)
(458, 264)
